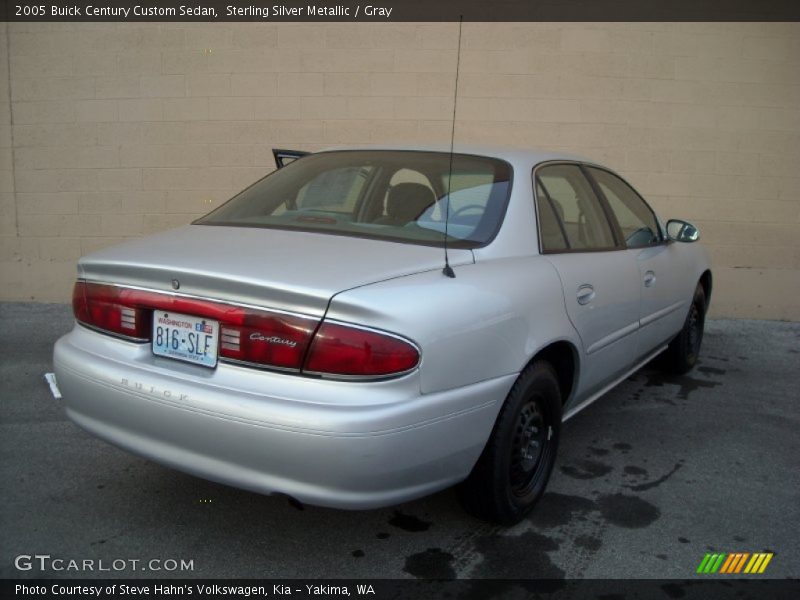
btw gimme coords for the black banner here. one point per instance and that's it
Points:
(385, 589)
(400, 10)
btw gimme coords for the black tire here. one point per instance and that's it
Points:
(683, 351)
(512, 472)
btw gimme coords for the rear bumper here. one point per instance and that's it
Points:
(339, 444)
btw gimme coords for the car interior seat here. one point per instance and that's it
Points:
(405, 203)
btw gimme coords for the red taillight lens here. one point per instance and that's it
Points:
(247, 335)
(273, 340)
(342, 350)
(104, 307)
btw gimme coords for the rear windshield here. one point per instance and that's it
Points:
(393, 195)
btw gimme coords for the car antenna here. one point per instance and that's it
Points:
(448, 270)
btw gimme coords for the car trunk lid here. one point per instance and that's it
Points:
(287, 270)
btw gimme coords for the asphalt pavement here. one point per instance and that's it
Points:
(650, 478)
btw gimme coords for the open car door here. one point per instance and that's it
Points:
(284, 157)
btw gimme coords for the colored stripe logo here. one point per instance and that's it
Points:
(734, 562)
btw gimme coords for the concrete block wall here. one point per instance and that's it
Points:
(110, 131)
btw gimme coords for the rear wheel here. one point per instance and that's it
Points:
(513, 470)
(683, 351)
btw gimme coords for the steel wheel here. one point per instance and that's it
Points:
(684, 349)
(695, 330)
(528, 447)
(512, 472)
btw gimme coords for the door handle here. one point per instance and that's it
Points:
(649, 279)
(585, 294)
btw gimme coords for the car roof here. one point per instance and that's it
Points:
(515, 156)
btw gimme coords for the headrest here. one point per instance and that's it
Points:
(407, 201)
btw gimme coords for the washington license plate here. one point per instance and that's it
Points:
(187, 338)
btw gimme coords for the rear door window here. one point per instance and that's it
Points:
(576, 208)
(551, 230)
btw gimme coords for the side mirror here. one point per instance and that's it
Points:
(681, 231)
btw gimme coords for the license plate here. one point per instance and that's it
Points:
(187, 338)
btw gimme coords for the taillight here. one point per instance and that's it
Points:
(104, 307)
(249, 335)
(267, 339)
(352, 351)
(246, 334)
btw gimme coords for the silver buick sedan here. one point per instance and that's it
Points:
(366, 326)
